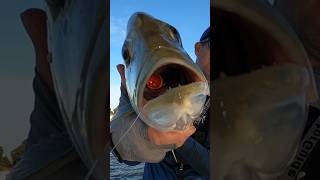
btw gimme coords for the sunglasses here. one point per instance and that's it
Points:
(206, 41)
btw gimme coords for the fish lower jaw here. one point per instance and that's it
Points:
(185, 122)
(177, 108)
(182, 94)
(172, 121)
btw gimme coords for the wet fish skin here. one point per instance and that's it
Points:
(149, 45)
(255, 132)
(302, 16)
(77, 41)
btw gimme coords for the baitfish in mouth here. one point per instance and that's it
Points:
(177, 101)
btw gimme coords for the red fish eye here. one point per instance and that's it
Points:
(155, 82)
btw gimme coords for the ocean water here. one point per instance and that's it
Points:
(121, 171)
(118, 171)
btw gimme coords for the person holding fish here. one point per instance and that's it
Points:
(173, 143)
(48, 151)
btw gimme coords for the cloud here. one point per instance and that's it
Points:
(117, 30)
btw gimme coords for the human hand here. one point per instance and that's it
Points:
(171, 137)
(156, 136)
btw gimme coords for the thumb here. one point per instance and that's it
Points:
(185, 135)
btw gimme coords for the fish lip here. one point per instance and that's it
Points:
(163, 107)
(164, 61)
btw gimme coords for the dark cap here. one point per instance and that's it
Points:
(205, 35)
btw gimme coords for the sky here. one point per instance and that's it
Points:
(189, 17)
(16, 72)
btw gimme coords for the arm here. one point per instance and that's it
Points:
(198, 145)
(141, 143)
(133, 146)
(48, 145)
(34, 21)
(45, 118)
(199, 160)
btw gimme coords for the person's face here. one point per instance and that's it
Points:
(202, 52)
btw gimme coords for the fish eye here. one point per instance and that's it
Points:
(174, 31)
(174, 34)
(126, 55)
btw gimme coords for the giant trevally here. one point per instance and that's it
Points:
(166, 88)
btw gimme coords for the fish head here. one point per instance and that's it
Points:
(263, 84)
(77, 43)
(155, 62)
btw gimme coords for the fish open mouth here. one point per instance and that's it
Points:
(168, 77)
(244, 43)
(241, 46)
(173, 96)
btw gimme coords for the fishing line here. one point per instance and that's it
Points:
(91, 170)
(174, 155)
(125, 133)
